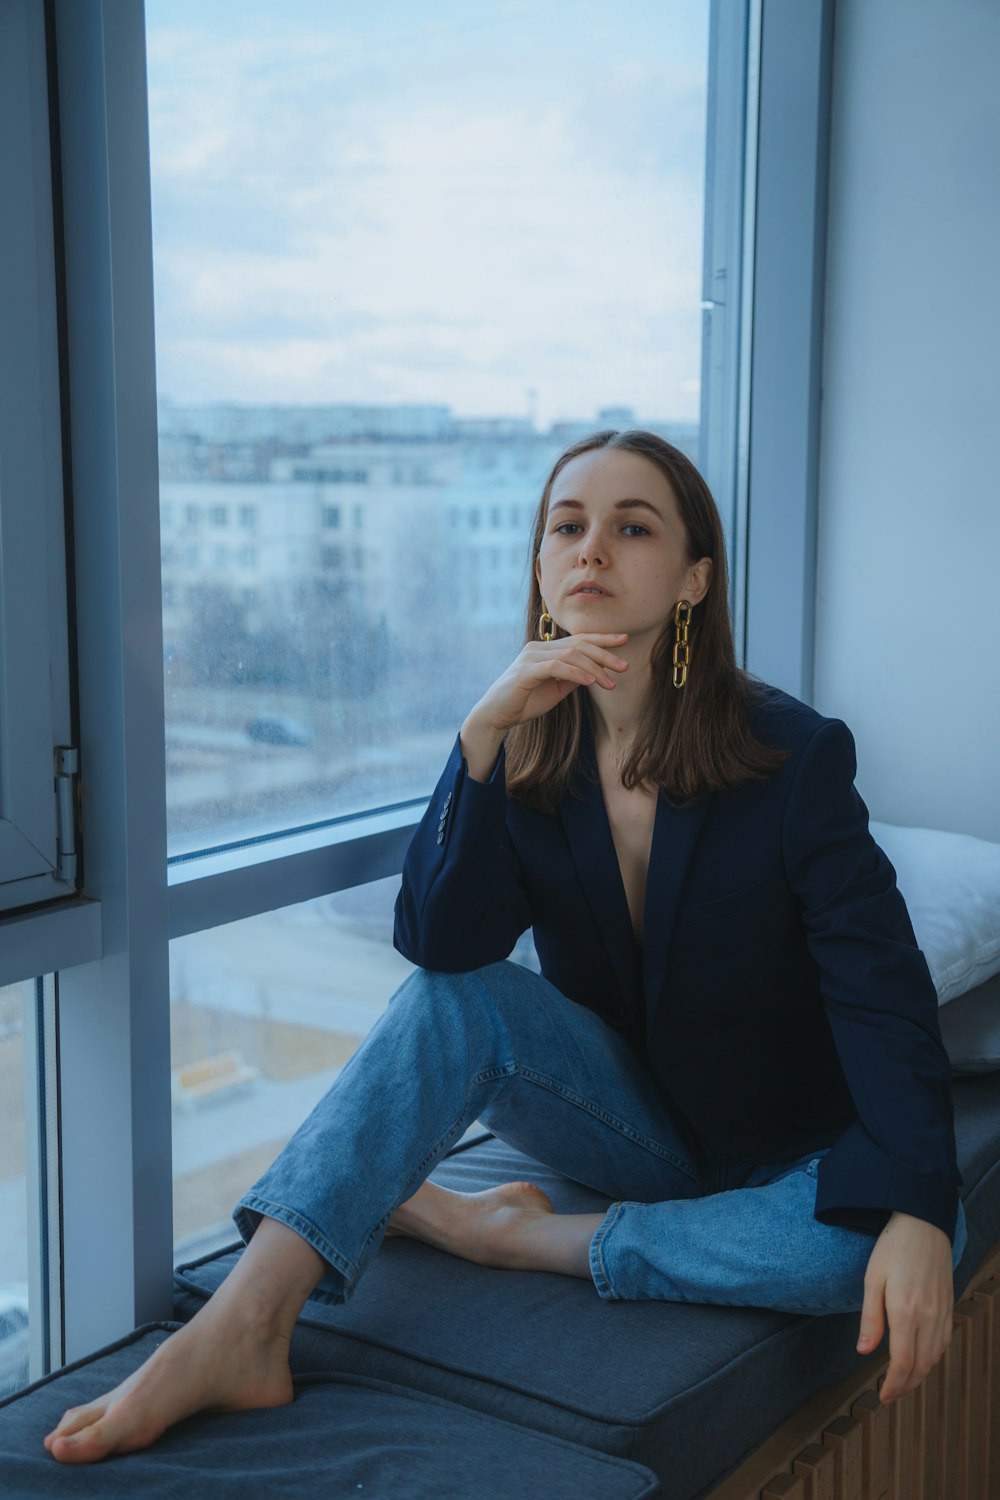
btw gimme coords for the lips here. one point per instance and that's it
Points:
(593, 590)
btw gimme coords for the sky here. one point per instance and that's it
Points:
(494, 204)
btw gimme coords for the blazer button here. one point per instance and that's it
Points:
(447, 802)
(440, 836)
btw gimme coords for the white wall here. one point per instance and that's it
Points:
(908, 577)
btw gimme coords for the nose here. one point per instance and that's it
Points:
(592, 550)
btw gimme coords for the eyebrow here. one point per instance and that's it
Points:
(619, 505)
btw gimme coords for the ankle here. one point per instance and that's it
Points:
(272, 1280)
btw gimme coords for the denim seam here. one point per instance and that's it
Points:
(598, 1269)
(591, 1109)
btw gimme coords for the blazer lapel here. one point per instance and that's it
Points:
(675, 836)
(585, 823)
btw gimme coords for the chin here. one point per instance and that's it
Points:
(595, 615)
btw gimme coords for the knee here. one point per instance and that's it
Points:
(493, 996)
(433, 992)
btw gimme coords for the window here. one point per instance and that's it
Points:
(15, 1307)
(264, 1014)
(29, 1239)
(479, 308)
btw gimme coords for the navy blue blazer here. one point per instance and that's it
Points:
(787, 1007)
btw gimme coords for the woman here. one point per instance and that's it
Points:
(735, 1037)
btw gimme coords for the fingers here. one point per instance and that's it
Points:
(594, 660)
(572, 671)
(902, 1360)
(921, 1351)
(872, 1317)
(543, 674)
(917, 1340)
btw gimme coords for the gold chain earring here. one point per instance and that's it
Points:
(546, 625)
(682, 649)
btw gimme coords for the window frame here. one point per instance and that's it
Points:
(784, 376)
(35, 706)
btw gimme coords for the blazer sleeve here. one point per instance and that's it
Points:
(879, 1000)
(462, 903)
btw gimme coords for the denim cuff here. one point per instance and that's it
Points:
(598, 1270)
(337, 1284)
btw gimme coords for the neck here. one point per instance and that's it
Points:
(615, 712)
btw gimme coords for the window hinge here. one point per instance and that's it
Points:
(67, 761)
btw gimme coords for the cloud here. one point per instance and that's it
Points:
(339, 220)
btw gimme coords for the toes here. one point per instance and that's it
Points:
(74, 1420)
(83, 1447)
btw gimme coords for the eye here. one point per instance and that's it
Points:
(634, 528)
(567, 526)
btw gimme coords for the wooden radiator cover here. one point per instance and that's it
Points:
(939, 1442)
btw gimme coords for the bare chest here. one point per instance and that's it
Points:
(631, 815)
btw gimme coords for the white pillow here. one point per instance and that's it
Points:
(951, 885)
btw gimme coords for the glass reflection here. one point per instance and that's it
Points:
(15, 1003)
(402, 258)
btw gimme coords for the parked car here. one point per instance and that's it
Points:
(277, 729)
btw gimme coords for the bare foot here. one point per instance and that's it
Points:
(492, 1228)
(233, 1355)
(198, 1368)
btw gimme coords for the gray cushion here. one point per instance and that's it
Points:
(970, 1029)
(687, 1389)
(343, 1435)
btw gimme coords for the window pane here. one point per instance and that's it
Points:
(15, 1003)
(402, 257)
(264, 1015)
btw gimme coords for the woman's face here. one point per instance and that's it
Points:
(614, 551)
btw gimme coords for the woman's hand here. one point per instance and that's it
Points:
(542, 675)
(908, 1280)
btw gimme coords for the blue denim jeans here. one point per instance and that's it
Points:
(502, 1045)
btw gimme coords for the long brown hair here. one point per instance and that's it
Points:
(689, 741)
